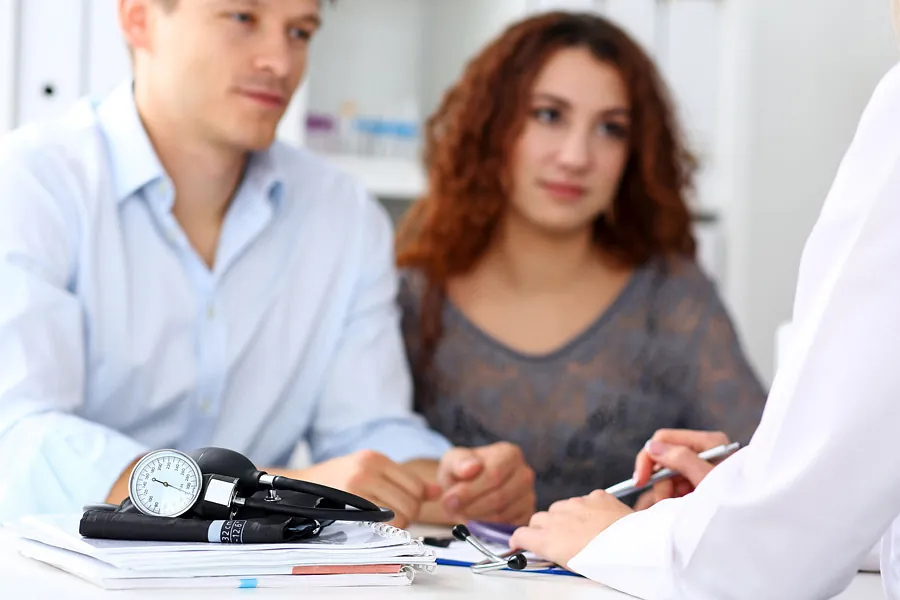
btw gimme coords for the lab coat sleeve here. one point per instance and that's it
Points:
(794, 513)
(53, 460)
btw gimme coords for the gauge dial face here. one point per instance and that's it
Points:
(165, 483)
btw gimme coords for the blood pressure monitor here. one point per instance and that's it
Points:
(165, 483)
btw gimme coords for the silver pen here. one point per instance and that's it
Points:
(628, 487)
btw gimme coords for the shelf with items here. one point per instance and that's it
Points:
(377, 68)
(384, 177)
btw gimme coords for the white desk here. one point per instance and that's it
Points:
(24, 579)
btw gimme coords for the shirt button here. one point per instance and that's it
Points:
(210, 312)
(205, 406)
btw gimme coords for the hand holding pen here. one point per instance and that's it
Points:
(564, 530)
(674, 462)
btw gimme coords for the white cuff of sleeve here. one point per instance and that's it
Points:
(634, 555)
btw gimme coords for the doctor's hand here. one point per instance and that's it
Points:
(376, 478)
(675, 449)
(569, 526)
(489, 483)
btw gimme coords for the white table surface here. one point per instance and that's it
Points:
(26, 579)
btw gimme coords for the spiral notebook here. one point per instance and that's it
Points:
(346, 548)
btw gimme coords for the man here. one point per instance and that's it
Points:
(794, 513)
(171, 277)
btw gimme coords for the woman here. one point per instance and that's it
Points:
(551, 297)
(794, 513)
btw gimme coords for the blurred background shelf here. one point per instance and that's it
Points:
(388, 178)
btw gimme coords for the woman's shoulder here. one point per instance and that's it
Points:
(681, 285)
(413, 285)
(680, 274)
(412, 281)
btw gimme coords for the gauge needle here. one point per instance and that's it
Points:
(167, 484)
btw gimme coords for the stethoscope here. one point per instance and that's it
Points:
(512, 559)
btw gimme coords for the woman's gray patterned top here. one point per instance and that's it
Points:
(664, 354)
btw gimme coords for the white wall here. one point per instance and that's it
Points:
(812, 67)
(380, 81)
(107, 60)
(8, 20)
(454, 32)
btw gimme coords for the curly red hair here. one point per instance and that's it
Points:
(468, 142)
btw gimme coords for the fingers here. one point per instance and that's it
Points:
(531, 538)
(683, 487)
(433, 491)
(645, 501)
(664, 490)
(459, 498)
(404, 506)
(514, 499)
(400, 519)
(698, 441)
(500, 462)
(568, 527)
(403, 479)
(681, 459)
(386, 483)
(458, 464)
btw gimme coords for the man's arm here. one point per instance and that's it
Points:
(366, 406)
(793, 514)
(364, 425)
(53, 460)
(366, 402)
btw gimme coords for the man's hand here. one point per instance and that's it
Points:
(119, 490)
(490, 483)
(376, 478)
(562, 532)
(676, 449)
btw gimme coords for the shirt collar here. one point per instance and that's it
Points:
(135, 163)
(132, 157)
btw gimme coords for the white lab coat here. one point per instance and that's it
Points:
(794, 514)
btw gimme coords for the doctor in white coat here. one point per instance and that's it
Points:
(792, 515)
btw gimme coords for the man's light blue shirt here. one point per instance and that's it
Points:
(116, 338)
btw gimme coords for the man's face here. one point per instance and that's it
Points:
(225, 70)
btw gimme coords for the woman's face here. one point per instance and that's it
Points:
(568, 162)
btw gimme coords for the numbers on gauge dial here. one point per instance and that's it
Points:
(165, 485)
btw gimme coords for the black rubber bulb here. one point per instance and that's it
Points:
(221, 461)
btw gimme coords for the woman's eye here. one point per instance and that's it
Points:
(547, 115)
(616, 130)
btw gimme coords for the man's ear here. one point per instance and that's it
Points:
(134, 21)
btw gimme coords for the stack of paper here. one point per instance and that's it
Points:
(345, 554)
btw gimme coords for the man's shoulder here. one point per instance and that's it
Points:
(313, 170)
(59, 152)
(318, 180)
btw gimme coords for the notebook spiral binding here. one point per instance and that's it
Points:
(390, 531)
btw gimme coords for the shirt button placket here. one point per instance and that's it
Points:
(209, 365)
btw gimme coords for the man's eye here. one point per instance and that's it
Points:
(300, 34)
(241, 17)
